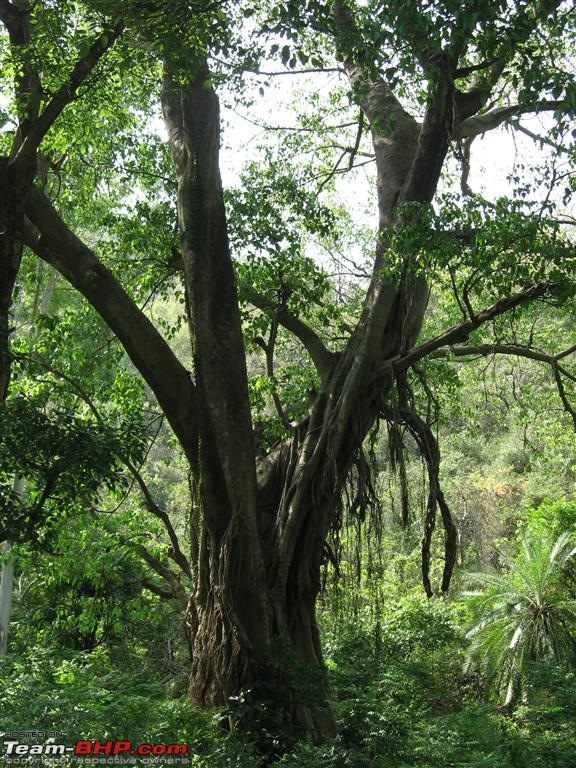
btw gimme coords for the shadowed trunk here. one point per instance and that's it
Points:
(11, 219)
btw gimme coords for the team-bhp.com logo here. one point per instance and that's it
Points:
(16, 749)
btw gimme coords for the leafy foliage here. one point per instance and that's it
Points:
(66, 460)
(524, 615)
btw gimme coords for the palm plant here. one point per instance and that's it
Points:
(522, 615)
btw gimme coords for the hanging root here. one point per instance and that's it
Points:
(405, 412)
(398, 464)
(428, 445)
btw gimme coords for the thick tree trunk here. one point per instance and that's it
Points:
(252, 615)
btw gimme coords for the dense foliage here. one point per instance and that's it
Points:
(287, 383)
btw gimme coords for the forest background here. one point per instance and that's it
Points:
(256, 448)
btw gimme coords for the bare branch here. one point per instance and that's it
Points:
(562, 392)
(311, 70)
(294, 128)
(466, 71)
(173, 579)
(541, 139)
(495, 349)
(520, 351)
(167, 594)
(566, 352)
(269, 348)
(515, 350)
(176, 554)
(459, 333)
(157, 565)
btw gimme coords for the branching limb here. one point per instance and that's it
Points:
(269, 348)
(562, 393)
(356, 147)
(166, 594)
(177, 590)
(459, 333)
(394, 131)
(65, 94)
(561, 150)
(488, 121)
(51, 239)
(176, 553)
(322, 358)
(559, 372)
(495, 349)
(466, 71)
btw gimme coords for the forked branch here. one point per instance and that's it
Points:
(459, 333)
(321, 356)
(488, 121)
(65, 94)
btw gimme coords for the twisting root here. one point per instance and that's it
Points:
(428, 445)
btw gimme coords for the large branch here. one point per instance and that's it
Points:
(321, 356)
(460, 333)
(66, 93)
(473, 126)
(394, 131)
(483, 350)
(433, 139)
(519, 30)
(51, 239)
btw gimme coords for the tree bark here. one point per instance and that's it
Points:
(11, 221)
(253, 609)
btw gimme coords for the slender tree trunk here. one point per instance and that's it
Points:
(11, 217)
(7, 579)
